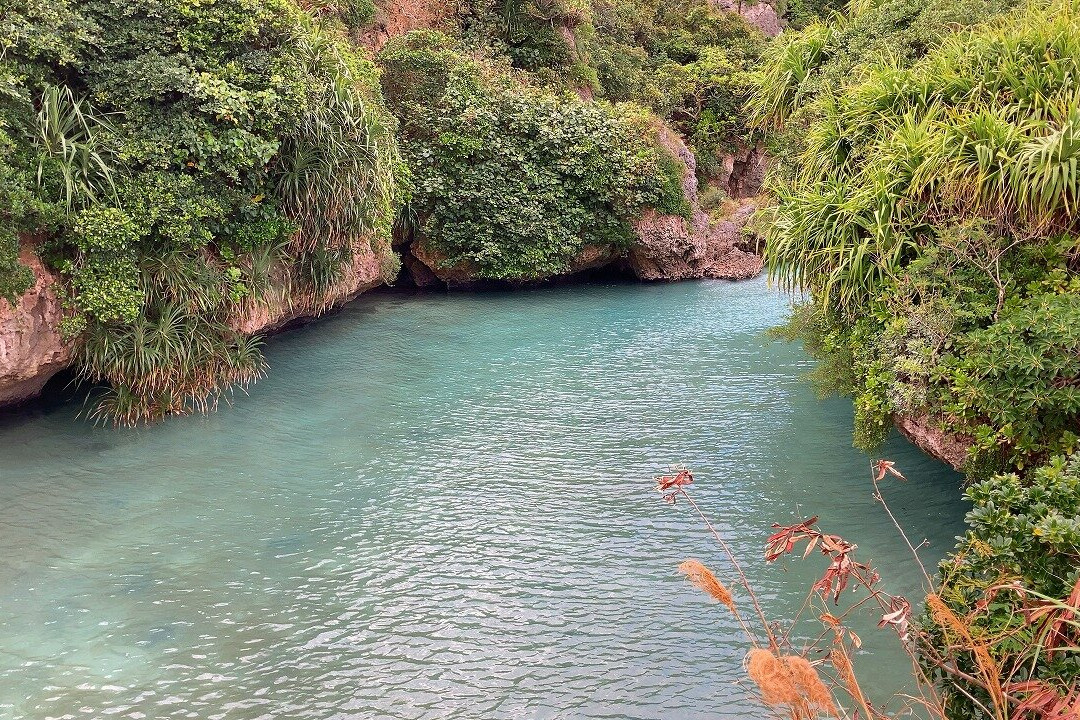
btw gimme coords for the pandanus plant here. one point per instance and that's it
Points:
(337, 173)
(68, 134)
(987, 127)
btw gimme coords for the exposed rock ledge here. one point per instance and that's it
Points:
(926, 434)
(281, 307)
(670, 247)
(666, 247)
(761, 15)
(31, 349)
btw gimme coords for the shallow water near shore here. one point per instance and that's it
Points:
(441, 506)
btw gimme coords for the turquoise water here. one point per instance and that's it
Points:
(441, 506)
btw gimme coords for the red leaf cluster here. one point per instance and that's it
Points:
(787, 537)
(899, 614)
(1055, 620)
(1043, 701)
(881, 467)
(670, 485)
(841, 568)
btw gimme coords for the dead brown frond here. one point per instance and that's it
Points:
(953, 624)
(771, 676)
(839, 658)
(702, 578)
(812, 690)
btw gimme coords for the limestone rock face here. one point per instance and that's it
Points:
(281, 307)
(421, 275)
(426, 262)
(397, 17)
(950, 448)
(761, 15)
(670, 247)
(743, 172)
(31, 349)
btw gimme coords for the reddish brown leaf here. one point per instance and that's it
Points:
(899, 616)
(1043, 701)
(887, 466)
(665, 483)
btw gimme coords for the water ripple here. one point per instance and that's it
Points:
(438, 506)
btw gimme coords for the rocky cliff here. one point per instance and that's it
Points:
(31, 349)
(927, 434)
(670, 247)
(283, 304)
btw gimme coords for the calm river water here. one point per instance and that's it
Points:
(441, 506)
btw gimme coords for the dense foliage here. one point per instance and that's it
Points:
(513, 181)
(687, 61)
(928, 206)
(943, 191)
(1025, 533)
(175, 154)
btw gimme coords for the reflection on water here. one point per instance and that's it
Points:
(441, 506)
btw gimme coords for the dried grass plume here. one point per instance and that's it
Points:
(792, 681)
(703, 578)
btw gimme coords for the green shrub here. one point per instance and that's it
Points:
(801, 13)
(1023, 530)
(1014, 383)
(104, 275)
(904, 148)
(514, 181)
(15, 279)
(824, 56)
(691, 63)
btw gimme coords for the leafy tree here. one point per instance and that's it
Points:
(514, 181)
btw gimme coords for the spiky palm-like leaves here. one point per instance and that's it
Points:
(987, 126)
(68, 135)
(339, 168)
(169, 361)
(320, 269)
(785, 69)
(335, 179)
(180, 355)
